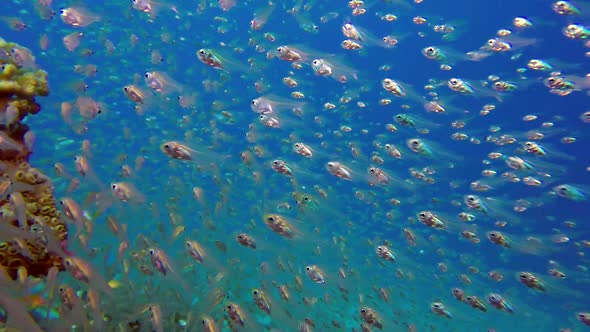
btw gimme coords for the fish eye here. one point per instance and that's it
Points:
(493, 234)
(63, 11)
(316, 62)
(152, 252)
(255, 292)
(491, 42)
(422, 215)
(308, 268)
(188, 244)
(202, 52)
(379, 248)
(363, 311)
(280, 49)
(61, 289)
(166, 146)
(240, 237)
(387, 146)
(523, 276)
(436, 305)
(305, 198)
(271, 219)
(372, 170)
(114, 186)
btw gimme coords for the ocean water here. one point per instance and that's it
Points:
(229, 186)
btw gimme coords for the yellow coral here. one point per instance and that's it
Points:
(9, 87)
(60, 228)
(7, 71)
(31, 84)
(21, 82)
(20, 176)
(45, 210)
(33, 208)
(31, 178)
(53, 212)
(45, 200)
(18, 88)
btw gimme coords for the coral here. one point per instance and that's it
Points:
(22, 187)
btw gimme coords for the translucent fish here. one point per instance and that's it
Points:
(335, 70)
(261, 16)
(127, 192)
(161, 83)
(274, 104)
(9, 146)
(17, 314)
(571, 192)
(78, 17)
(444, 55)
(151, 7)
(219, 59)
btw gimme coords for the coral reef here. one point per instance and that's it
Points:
(33, 231)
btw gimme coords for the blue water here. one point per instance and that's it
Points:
(346, 228)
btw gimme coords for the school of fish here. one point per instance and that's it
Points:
(274, 166)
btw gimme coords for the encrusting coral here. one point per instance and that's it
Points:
(32, 231)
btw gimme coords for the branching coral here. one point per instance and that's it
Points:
(33, 232)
